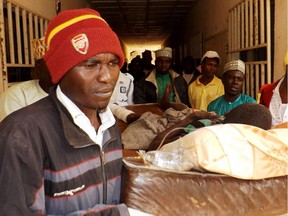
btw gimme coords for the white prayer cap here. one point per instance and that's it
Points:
(211, 54)
(165, 52)
(234, 65)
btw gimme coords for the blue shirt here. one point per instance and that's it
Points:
(220, 106)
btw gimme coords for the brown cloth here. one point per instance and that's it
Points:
(139, 134)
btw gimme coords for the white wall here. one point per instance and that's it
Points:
(210, 18)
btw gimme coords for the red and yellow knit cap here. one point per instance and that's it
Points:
(76, 35)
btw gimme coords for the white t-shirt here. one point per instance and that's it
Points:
(20, 95)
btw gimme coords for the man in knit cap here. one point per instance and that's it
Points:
(63, 155)
(233, 79)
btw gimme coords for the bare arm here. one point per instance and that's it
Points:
(174, 131)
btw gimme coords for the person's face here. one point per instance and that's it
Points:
(233, 82)
(90, 84)
(210, 66)
(163, 64)
(147, 59)
(136, 66)
(189, 67)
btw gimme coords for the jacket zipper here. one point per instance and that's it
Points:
(103, 162)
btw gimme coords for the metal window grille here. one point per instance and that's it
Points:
(18, 26)
(250, 41)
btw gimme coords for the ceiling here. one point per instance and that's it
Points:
(143, 22)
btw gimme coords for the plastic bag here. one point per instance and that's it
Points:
(166, 160)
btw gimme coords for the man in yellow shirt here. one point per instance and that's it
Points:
(207, 86)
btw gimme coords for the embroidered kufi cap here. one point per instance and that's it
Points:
(165, 52)
(235, 65)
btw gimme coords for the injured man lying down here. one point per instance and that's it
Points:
(242, 144)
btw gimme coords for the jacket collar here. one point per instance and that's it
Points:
(152, 75)
(74, 135)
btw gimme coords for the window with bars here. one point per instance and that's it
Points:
(250, 40)
(20, 26)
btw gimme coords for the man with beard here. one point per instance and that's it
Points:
(207, 86)
(233, 79)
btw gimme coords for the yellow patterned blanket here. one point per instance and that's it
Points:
(237, 150)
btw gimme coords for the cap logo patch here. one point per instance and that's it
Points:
(80, 43)
(122, 89)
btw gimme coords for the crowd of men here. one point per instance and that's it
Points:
(60, 146)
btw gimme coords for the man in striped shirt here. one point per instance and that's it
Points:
(63, 154)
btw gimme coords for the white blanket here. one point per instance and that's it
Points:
(242, 151)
